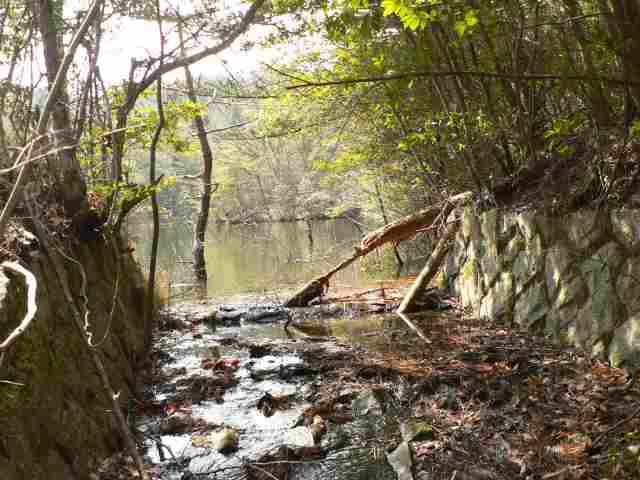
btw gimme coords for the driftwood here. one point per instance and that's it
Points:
(395, 232)
(432, 266)
(437, 256)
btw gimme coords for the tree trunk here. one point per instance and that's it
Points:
(71, 184)
(200, 228)
(430, 269)
(395, 232)
(150, 299)
(437, 255)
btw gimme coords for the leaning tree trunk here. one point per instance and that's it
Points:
(394, 233)
(71, 184)
(437, 256)
(200, 229)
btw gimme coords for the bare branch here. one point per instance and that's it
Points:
(202, 54)
(466, 73)
(223, 129)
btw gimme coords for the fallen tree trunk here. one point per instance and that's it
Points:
(432, 266)
(437, 256)
(395, 232)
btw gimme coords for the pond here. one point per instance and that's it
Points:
(254, 257)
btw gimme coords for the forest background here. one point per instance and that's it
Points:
(386, 106)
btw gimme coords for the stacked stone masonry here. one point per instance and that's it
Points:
(576, 278)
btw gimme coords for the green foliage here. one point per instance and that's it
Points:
(561, 129)
(178, 114)
(132, 193)
(412, 14)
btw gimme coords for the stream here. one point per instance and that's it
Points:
(270, 387)
(235, 395)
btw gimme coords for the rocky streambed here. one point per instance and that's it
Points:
(235, 395)
(347, 394)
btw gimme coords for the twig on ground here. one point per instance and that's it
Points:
(413, 327)
(617, 425)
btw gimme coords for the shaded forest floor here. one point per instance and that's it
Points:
(504, 403)
(501, 403)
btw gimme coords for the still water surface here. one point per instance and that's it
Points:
(264, 257)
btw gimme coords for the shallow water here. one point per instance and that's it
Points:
(260, 434)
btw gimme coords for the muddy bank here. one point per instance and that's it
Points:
(55, 417)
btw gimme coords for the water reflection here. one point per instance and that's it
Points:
(254, 258)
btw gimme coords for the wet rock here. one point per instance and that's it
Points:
(268, 403)
(400, 460)
(164, 357)
(201, 387)
(287, 372)
(235, 314)
(167, 388)
(173, 372)
(285, 367)
(259, 351)
(317, 429)
(262, 372)
(222, 364)
(176, 423)
(226, 440)
(228, 318)
(264, 315)
(173, 323)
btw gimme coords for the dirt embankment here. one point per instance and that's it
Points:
(55, 418)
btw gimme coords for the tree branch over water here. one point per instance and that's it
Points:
(182, 62)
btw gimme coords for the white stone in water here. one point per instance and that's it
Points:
(225, 440)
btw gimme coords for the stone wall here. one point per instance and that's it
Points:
(55, 419)
(575, 278)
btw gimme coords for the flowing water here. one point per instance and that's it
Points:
(256, 377)
(248, 261)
